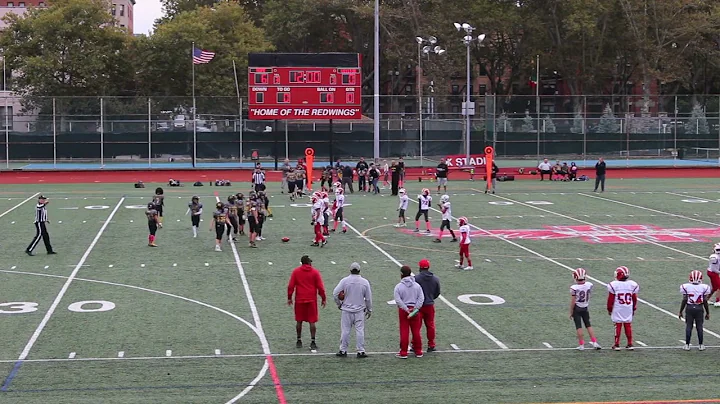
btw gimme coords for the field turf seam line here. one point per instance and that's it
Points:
(269, 362)
(442, 298)
(714, 334)
(36, 334)
(19, 204)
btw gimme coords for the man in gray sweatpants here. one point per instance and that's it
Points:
(354, 298)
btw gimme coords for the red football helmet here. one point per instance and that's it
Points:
(622, 273)
(695, 277)
(462, 220)
(579, 274)
(425, 191)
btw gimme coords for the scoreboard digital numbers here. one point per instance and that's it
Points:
(311, 86)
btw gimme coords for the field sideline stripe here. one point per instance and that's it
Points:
(269, 363)
(714, 400)
(567, 267)
(442, 298)
(605, 227)
(19, 204)
(56, 302)
(309, 354)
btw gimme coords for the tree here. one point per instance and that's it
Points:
(527, 125)
(697, 123)
(549, 124)
(70, 48)
(172, 8)
(608, 122)
(578, 122)
(166, 68)
(502, 123)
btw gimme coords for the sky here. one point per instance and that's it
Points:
(146, 12)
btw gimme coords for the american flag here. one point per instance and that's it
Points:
(202, 56)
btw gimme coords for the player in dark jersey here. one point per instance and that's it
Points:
(152, 217)
(232, 209)
(159, 202)
(220, 222)
(252, 216)
(292, 182)
(195, 210)
(326, 177)
(241, 211)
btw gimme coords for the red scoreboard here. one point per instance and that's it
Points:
(313, 86)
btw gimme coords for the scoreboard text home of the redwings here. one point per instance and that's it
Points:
(316, 86)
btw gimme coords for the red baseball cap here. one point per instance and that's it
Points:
(424, 264)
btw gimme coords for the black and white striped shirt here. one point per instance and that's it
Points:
(258, 178)
(41, 213)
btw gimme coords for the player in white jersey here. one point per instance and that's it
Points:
(695, 303)
(318, 219)
(326, 212)
(621, 305)
(444, 206)
(464, 243)
(713, 272)
(404, 200)
(338, 209)
(424, 202)
(579, 303)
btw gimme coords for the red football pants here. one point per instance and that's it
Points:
(318, 233)
(407, 326)
(428, 317)
(628, 332)
(715, 282)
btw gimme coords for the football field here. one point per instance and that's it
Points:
(111, 320)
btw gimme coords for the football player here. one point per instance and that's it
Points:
(242, 216)
(220, 222)
(195, 208)
(695, 304)
(338, 209)
(261, 215)
(233, 208)
(326, 214)
(579, 302)
(464, 243)
(444, 206)
(404, 200)
(621, 305)
(424, 202)
(159, 202)
(713, 272)
(152, 217)
(318, 220)
(253, 219)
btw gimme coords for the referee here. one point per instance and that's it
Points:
(258, 180)
(41, 220)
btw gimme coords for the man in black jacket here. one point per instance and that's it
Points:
(362, 170)
(430, 285)
(600, 175)
(347, 177)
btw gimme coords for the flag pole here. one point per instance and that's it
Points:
(537, 102)
(194, 155)
(237, 91)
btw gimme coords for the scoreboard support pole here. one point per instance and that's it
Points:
(332, 136)
(275, 143)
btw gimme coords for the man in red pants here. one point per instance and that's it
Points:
(621, 305)
(306, 283)
(430, 285)
(409, 299)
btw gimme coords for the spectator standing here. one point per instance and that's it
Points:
(401, 168)
(362, 168)
(386, 174)
(285, 171)
(347, 177)
(545, 169)
(354, 298)
(441, 172)
(374, 175)
(409, 299)
(600, 175)
(430, 285)
(306, 283)
(395, 177)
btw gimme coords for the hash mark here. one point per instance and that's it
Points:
(47, 266)
(487, 260)
(670, 258)
(362, 218)
(218, 352)
(121, 354)
(610, 259)
(641, 343)
(174, 264)
(455, 347)
(542, 215)
(142, 265)
(332, 262)
(518, 260)
(269, 263)
(384, 218)
(168, 353)
(110, 266)
(72, 355)
(293, 219)
(364, 262)
(641, 258)
(13, 267)
(580, 259)
(547, 345)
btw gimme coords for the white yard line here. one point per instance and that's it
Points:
(63, 290)
(650, 209)
(539, 255)
(19, 204)
(442, 298)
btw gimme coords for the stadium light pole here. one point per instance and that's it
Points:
(376, 85)
(468, 40)
(427, 49)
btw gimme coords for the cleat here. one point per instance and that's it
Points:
(616, 347)
(396, 225)
(459, 266)
(344, 230)
(629, 347)
(486, 191)
(342, 354)
(323, 243)
(29, 253)
(686, 347)
(468, 268)
(332, 230)
(596, 346)
(315, 244)
(701, 347)
(313, 346)
(580, 348)
(194, 235)
(454, 240)
(150, 245)
(493, 192)
(431, 349)
(428, 231)
(51, 253)
(416, 231)
(437, 240)
(361, 355)
(253, 245)
(217, 248)
(717, 304)
(298, 344)
(419, 355)
(399, 356)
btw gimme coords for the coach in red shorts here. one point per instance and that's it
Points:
(306, 283)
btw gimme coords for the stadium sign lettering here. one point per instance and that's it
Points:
(458, 160)
(305, 113)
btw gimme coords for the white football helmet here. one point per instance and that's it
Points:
(444, 198)
(696, 277)
(717, 248)
(579, 274)
(402, 191)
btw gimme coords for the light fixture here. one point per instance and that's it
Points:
(481, 37)
(438, 49)
(433, 40)
(458, 26)
(466, 26)
(419, 39)
(426, 49)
